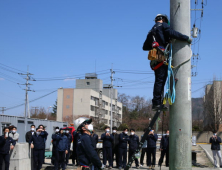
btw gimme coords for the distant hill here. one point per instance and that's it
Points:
(197, 108)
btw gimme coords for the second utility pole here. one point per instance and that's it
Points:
(180, 111)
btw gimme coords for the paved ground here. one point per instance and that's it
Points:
(203, 163)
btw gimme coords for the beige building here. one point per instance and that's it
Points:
(89, 98)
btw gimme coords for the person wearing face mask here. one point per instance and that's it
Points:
(14, 135)
(144, 149)
(115, 145)
(37, 143)
(54, 136)
(6, 144)
(151, 149)
(215, 147)
(123, 141)
(69, 140)
(43, 128)
(133, 145)
(86, 153)
(29, 134)
(164, 148)
(94, 136)
(107, 138)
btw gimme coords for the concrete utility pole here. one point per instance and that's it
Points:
(3, 109)
(111, 115)
(180, 111)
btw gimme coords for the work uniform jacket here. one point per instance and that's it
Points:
(39, 140)
(123, 140)
(5, 144)
(215, 143)
(133, 142)
(151, 141)
(115, 140)
(95, 139)
(86, 153)
(107, 140)
(164, 143)
(69, 140)
(61, 142)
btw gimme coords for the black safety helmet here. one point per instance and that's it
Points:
(160, 17)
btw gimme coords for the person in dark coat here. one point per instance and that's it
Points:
(115, 146)
(164, 148)
(133, 145)
(61, 149)
(43, 128)
(151, 149)
(86, 153)
(69, 140)
(107, 138)
(75, 141)
(54, 136)
(162, 34)
(6, 144)
(29, 134)
(123, 141)
(144, 149)
(37, 142)
(215, 147)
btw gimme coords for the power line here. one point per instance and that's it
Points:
(12, 68)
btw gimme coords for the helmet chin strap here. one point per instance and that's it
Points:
(87, 129)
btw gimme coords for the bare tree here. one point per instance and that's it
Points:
(41, 113)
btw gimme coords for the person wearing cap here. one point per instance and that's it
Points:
(161, 34)
(69, 140)
(37, 143)
(6, 144)
(133, 145)
(85, 150)
(54, 137)
(107, 138)
(123, 141)
(29, 134)
(115, 146)
(14, 134)
(61, 149)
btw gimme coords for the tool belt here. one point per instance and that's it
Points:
(156, 55)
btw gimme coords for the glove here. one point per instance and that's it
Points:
(189, 40)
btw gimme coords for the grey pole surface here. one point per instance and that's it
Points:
(180, 111)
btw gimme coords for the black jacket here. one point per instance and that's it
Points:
(133, 142)
(69, 140)
(115, 140)
(5, 144)
(95, 140)
(151, 141)
(162, 33)
(85, 151)
(39, 141)
(164, 144)
(54, 137)
(123, 139)
(215, 143)
(28, 136)
(107, 140)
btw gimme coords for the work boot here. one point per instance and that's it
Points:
(157, 107)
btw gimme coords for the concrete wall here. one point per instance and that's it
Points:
(95, 84)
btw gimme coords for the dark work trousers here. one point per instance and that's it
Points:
(107, 153)
(67, 157)
(53, 156)
(122, 157)
(43, 156)
(5, 158)
(74, 155)
(144, 150)
(38, 158)
(116, 153)
(131, 152)
(163, 152)
(160, 80)
(151, 151)
(60, 160)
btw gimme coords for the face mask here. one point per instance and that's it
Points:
(132, 133)
(38, 133)
(107, 130)
(114, 131)
(57, 130)
(13, 131)
(32, 129)
(125, 132)
(67, 131)
(90, 127)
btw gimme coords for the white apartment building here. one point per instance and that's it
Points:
(89, 98)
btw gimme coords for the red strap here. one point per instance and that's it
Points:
(157, 66)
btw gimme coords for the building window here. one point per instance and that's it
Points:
(106, 112)
(67, 106)
(92, 108)
(87, 83)
(106, 103)
(68, 96)
(92, 98)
